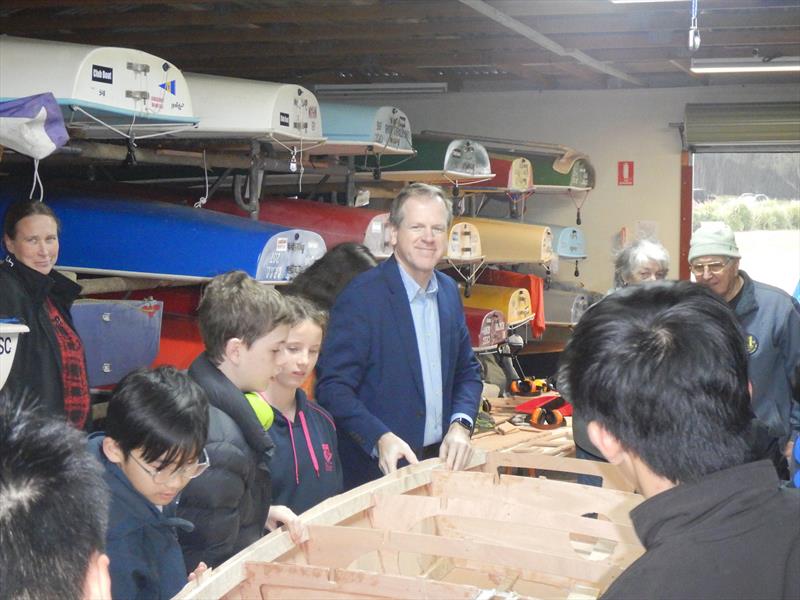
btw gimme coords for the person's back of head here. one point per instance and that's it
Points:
(663, 368)
(327, 277)
(234, 305)
(53, 510)
(160, 412)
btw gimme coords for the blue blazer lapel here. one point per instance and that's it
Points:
(401, 312)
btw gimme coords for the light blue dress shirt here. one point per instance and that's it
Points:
(425, 314)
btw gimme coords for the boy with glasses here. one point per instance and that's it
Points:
(152, 447)
(770, 319)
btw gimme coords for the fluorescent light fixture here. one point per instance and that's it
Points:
(378, 89)
(643, 1)
(753, 64)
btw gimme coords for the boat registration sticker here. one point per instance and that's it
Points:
(282, 244)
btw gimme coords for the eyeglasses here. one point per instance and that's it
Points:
(164, 475)
(715, 268)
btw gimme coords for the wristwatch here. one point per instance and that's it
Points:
(465, 423)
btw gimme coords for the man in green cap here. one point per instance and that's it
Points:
(770, 319)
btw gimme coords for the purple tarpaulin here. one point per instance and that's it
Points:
(32, 125)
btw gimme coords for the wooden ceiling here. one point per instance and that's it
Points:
(491, 45)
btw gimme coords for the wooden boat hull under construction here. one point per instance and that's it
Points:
(425, 532)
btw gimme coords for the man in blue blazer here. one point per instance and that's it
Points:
(397, 371)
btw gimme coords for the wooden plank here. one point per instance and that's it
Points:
(519, 457)
(521, 439)
(284, 582)
(405, 513)
(341, 546)
(572, 498)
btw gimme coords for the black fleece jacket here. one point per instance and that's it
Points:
(37, 364)
(230, 502)
(733, 535)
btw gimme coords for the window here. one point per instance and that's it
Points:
(758, 196)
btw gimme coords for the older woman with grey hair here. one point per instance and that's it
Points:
(639, 261)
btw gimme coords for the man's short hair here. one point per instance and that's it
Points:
(417, 190)
(663, 368)
(162, 412)
(234, 305)
(53, 506)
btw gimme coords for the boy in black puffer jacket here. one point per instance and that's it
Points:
(244, 326)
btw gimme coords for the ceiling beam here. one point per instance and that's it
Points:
(523, 8)
(231, 16)
(635, 20)
(536, 37)
(19, 4)
(521, 63)
(500, 49)
(278, 33)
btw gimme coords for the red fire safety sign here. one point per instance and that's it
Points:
(625, 172)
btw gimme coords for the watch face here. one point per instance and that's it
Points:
(464, 423)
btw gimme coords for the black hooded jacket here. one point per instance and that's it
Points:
(735, 534)
(230, 502)
(37, 362)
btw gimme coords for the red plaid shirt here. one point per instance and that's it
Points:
(73, 369)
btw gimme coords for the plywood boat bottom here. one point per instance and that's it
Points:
(425, 532)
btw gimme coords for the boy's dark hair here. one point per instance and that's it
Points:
(25, 208)
(53, 506)
(162, 412)
(323, 280)
(663, 368)
(234, 305)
